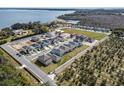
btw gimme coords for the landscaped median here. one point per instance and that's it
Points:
(65, 58)
(93, 35)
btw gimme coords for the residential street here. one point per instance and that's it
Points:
(38, 73)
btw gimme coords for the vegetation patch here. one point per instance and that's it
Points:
(10, 76)
(103, 65)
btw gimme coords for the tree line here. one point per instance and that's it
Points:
(37, 27)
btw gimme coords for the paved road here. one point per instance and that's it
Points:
(69, 62)
(38, 73)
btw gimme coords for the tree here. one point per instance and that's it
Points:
(44, 29)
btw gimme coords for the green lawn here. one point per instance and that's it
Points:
(9, 38)
(94, 35)
(65, 58)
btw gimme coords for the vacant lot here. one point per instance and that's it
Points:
(65, 58)
(94, 35)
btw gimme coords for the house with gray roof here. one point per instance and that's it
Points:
(70, 46)
(54, 57)
(27, 50)
(65, 48)
(34, 39)
(76, 44)
(37, 46)
(45, 59)
(58, 52)
(90, 40)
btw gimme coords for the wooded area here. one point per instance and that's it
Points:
(103, 65)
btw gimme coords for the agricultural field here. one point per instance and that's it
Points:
(101, 66)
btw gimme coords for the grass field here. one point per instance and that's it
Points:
(94, 35)
(65, 58)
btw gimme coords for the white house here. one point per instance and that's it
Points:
(20, 32)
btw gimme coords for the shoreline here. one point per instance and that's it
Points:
(54, 12)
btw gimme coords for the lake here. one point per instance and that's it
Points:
(12, 16)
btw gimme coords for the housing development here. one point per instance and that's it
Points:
(64, 53)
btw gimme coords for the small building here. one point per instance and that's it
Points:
(73, 44)
(45, 43)
(58, 52)
(90, 40)
(78, 42)
(36, 31)
(49, 41)
(37, 46)
(54, 41)
(65, 48)
(80, 37)
(70, 46)
(27, 50)
(34, 39)
(54, 57)
(20, 32)
(45, 59)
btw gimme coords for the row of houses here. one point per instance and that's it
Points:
(71, 25)
(81, 38)
(58, 50)
(90, 28)
(39, 45)
(56, 54)
(67, 47)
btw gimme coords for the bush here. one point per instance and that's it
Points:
(3, 42)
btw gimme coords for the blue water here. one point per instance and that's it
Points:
(11, 16)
